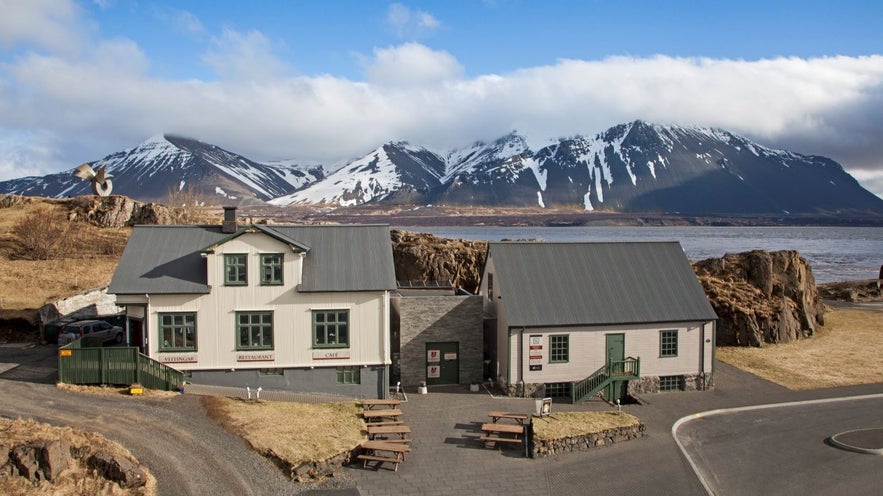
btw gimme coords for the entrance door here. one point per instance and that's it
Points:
(443, 363)
(617, 390)
(136, 333)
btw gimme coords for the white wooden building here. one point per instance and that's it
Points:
(561, 313)
(301, 308)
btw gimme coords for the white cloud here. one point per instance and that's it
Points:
(245, 56)
(408, 23)
(53, 25)
(411, 64)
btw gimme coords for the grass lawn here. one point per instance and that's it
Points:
(292, 432)
(570, 424)
(846, 351)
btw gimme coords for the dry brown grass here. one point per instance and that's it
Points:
(116, 391)
(570, 424)
(291, 432)
(75, 480)
(87, 260)
(845, 352)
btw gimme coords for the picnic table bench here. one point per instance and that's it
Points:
(494, 433)
(393, 413)
(384, 422)
(388, 430)
(370, 403)
(394, 453)
(518, 417)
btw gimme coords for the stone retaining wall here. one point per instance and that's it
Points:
(542, 449)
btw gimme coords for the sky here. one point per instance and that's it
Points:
(331, 80)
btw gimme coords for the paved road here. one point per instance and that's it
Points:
(783, 450)
(190, 454)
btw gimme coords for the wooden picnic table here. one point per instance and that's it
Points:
(388, 430)
(370, 404)
(518, 417)
(389, 452)
(494, 430)
(393, 413)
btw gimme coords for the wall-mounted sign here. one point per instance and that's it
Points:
(177, 357)
(536, 367)
(450, 356)
(65, 353)
(261, 356)
(433, 356)
(331, 354)
(433, 372)
(536, 352)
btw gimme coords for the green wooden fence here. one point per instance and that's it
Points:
(116, 365)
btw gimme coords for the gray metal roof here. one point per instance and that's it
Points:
(560, 284)
(168, 259)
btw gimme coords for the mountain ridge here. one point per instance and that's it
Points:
(630, 167)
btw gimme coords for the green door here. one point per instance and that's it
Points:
(443, 363)
(615, 352)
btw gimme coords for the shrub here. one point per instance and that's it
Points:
(41, 234)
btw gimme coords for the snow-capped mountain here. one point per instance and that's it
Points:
(394, 172)
(634, 167)
(165, 163)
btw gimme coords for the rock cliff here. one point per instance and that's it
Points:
(761, 297)
(425, 257)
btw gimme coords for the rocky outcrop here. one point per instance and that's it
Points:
(546, 448)
(117, 211)
(45, 460)
(761, 297)
(85, 305)
(425, 257)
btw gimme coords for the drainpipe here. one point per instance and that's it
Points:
(702, 355)
(521, 359)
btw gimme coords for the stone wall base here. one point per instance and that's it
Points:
(688, 382)
(317, 470)
(529, 390)
(542, 449)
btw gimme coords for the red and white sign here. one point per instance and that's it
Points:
(433, 372)
(433, 356)
(450, 356)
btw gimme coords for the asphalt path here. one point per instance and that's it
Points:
(784, 449)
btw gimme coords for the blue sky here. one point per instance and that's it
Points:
(332, 80)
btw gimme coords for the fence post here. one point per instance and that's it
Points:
(102, 362)
(137, 366)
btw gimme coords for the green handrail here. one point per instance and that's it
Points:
(620, 370)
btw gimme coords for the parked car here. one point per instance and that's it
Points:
(96, 332)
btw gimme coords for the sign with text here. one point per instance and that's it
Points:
(450, 356)
(536, 352)
(177, 357)
(331, 354)
(256, 356)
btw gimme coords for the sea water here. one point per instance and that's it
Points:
(833, 253)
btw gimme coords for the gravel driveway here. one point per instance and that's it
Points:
(186, 451)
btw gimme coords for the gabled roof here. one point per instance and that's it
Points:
(169, 259)
(562, 284)
(295, 245)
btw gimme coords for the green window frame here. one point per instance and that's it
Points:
(331, 328)
(254, 331)
(668, 343)
(177, 331)
(271, 269)
(559, 348)
(670, 382)
(236, 269)
(349, 375)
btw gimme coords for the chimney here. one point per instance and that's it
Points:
(229, 226)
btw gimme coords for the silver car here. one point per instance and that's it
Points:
(95, 331)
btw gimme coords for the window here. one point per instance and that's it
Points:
(275, 371)
(559, 348)
(558, 389)
(254, 330)
(669, 382)
(331, 328)
(349, 375)
(271, 269)
(177, 332)
(235, 270)
(490, 286)
(668, 343)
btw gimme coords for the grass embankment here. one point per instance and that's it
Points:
(292, 432)
(572, 424)
(843, 352)
(76, 479)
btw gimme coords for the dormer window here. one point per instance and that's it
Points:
(236, 270)
(271, 269)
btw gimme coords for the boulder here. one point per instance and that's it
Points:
(117, 211)
(120, 470)
(39, 460)
(761, 297)
(86, 305)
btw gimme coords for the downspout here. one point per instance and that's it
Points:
(713, 348)
(387, 353)
(509, 355)
(702, 355)
(145, 326)
(521, 360)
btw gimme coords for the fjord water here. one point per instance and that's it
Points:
(833, 253)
